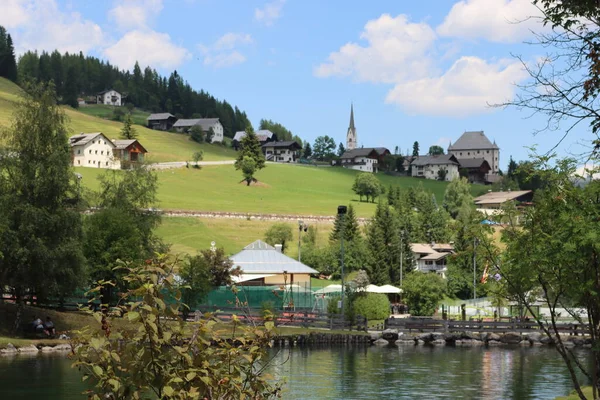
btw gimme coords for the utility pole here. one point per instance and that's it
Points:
(300, 227)
(342, 212)
(474, 268)
(401, 255)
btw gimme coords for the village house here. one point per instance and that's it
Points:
(476, 170)
(264, 136)
(432, 257)
(365, 159)
(429, 167)
(129, 151)
(93, 150)
(161, 121)
(284, 151)
(491, 203)
(184, 125)
(109, 97)
(262, 264)
(477, 145)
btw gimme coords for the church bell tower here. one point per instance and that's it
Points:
(351, 135)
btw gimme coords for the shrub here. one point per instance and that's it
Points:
(372, 306)
(423, 292)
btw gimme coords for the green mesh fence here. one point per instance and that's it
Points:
(279, 297)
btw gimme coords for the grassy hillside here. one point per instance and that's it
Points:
(188, 235)
(106, 112)
(283, 189)
(162, 146)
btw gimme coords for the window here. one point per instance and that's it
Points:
(487, 151)
(94, 161)
(477, 151)
(96, 152)
(78, 161)
(102, 152)
(78, 151)
(428, 262)
(90, 151)
(89, 161)
(105, 142)
(107, 163)
(461, 153)
(469, 154)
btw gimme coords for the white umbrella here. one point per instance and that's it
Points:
(329, 289)
(372, 289)
(389, 289)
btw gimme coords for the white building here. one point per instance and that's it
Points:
(365, 159)
(184, 125)
(432, 257)
(109, 97)
(285, 151)
(429, 167)
(351, 137)
(476, 145)
(93, 150)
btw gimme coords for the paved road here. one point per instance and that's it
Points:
(180, 164)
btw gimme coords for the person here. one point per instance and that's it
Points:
(38, 325)
(49, 327)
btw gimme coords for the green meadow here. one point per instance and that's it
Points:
(161, 146)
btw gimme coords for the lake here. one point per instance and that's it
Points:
(413, 372)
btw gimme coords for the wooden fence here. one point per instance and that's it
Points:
(438, 325)
(305, 319)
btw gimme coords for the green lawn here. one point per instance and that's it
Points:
(283, 189)
(161, 146)
(106, 112)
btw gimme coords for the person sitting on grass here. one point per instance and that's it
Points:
(38, 325)
(50, 330)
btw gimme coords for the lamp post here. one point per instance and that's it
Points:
(301, 227)
(401, 254)
(475, 242)
(342, 213)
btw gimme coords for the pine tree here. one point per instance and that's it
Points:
(128, 131)
(341, 150)
(383, 242)
(349, 223)
(307, 150)
(415, 152)
(250, 147)
(11, 63)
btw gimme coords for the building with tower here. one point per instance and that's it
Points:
(351, 139)
(475, 145)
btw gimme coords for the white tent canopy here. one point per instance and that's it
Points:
(389, 289)
(329, 289)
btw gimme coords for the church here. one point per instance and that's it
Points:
(366, 159)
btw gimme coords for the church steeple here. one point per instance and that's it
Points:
(351, 138)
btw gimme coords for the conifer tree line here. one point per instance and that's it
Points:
(8, 64)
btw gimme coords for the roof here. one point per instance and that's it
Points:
(263, 135)
(362, 152)
(283, 143)
(182, 123)
(239, 135)
(108, 90)
(352, 117)
(435, 256)
(473, 141)
(85, 138)
(381, 150)
(473, 163)
(262, 258)
(123, 144)
(433, 248)
(207, 123)
(435, 160)
(159, 116)
(501, 197)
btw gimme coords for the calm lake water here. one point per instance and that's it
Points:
(350, 373)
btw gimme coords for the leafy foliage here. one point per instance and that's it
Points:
(128, 131)
(324, 148)
(457, 195)
(435, 150)
(279, 233)
(367, 185)
(197, 134)
(248, 167)
(250, 147)
(197, 157)
(372, 305)
(163, 356)
(423, 292)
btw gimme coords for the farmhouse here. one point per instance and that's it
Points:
(93, 150)
(284, 151)
(263, 264)
(161, 121)
(129, 151)
(429, 167)
(263, 135)
(476, 170)
(184, 125)
(432, 257)
(476, 145)
(364, 159)
(495, 200)
(109, 97)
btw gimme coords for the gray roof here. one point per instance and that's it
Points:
(264, 132)
(362, 152)
(261, 258)
(207, 123)
(381, 150)
(239, 135)
(185, 123)
(472, 162)
(262, 135)
(473, 141)
(84, 138)
(283, 143)
(159, 116)
(435, 160)
(107, 90)
(125, 143)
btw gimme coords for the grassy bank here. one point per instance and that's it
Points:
(106, 112)
(283, 189)
(587, 391)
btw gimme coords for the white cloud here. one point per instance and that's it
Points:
(45, 27)
(494, 20)
(396, 49)
(270, 13)
(14, 13)
(443, 142)
(465, 89)
(135, 14)
(148, 48)
(224, 52)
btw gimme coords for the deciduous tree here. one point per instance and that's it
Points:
(279, 233)
(423, 292)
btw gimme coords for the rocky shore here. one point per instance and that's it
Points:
(10, 349)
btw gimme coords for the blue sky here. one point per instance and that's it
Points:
(414, 70)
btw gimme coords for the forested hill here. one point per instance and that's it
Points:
(76, 75)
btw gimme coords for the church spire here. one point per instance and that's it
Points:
(351, 139)
(352, 116)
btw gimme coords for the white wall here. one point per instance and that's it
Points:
(491, 156)
(97, 153)
(285, 155)
(431, 171)
(369, 166)
(106, 98)
(218, 136)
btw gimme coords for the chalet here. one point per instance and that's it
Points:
(476, 145)
(263, 264)
(365, 159)
(184, 125)
(264, 136)
(129, 152)
(475, 170)
(284, 151)
(432, 257)
(429, 167)
(109, 97)
(495, 200)
(93, 150)
(161, 121)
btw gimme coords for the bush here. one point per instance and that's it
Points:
(118, 114)
(423, 292)
(372, 306)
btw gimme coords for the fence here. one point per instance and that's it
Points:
(438, 325)
(290, 297)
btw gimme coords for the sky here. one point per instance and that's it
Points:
(422, 71)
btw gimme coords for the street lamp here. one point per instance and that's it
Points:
(301, 227)
(401, 254)
(341, 210)
(475, 243)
